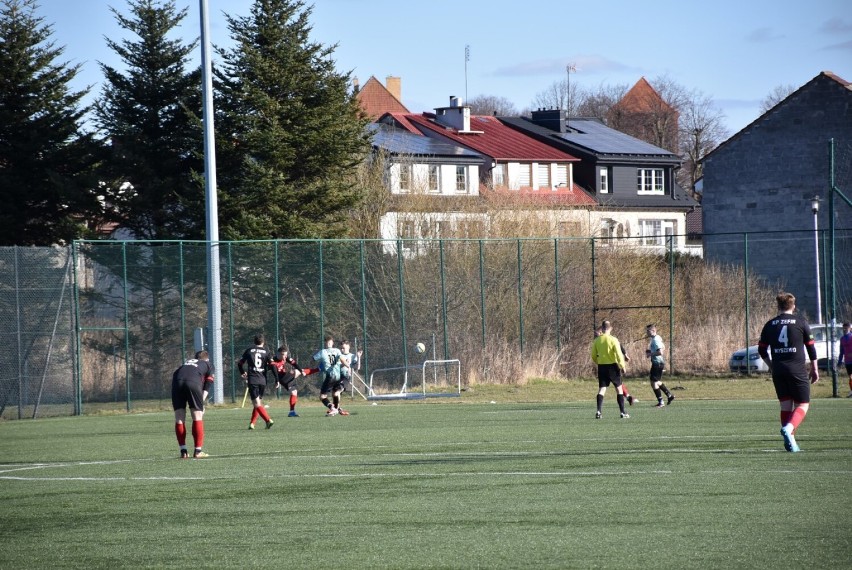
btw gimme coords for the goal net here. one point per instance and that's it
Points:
(431, 379)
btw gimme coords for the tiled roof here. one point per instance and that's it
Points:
(491, 137)
(642, 98)
(376, 100)
(575, 196)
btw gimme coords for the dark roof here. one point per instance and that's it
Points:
(597, 138)
(822, 75)
(399, 141)
(491, 137)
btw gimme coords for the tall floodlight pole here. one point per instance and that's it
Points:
(815, 210)
(466, 59)
(214, 306)
(569, 69)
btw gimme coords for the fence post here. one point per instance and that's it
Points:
(231, 325)
(671, 304)
(126, 324)
(482, 290)
(520, 295)
(747, 319)
(184, 355)
(556, 292)
(364, 311)
(400, 274)
(78, 382)
(322, 298)
(443, 303)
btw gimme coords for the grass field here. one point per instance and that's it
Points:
(529, 481)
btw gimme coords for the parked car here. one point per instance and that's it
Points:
(739, 358)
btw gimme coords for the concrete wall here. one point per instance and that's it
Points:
(763, 179)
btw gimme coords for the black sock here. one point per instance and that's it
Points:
(658, 394)
(336, 401)
(325, 403)
(600, 402)
(620, 398)
(665, 390)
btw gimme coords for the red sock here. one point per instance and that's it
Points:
(198, 433)
(293, 400)
(785, 417)
(262, 411)
(180, 432)
(798, 417)
(254, 414)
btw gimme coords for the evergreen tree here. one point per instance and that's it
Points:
(291, 131)
(46, 162)
(150, 115)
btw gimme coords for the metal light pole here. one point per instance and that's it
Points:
(568, 69)
(815, 210)
(214, 306)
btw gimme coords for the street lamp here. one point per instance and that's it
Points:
(815, 210)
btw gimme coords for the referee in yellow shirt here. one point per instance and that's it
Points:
(607, 355)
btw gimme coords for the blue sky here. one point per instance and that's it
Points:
(734, 51)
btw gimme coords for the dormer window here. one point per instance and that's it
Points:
(604, 181)
(650, 181)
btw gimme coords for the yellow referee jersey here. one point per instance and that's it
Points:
(607, 350)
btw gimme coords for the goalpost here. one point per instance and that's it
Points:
(431, 379)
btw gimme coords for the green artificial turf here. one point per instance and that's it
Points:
(454, 483)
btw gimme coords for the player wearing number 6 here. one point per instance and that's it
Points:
(253, 365)
(787, 337)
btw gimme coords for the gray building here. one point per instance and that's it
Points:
(763, 179)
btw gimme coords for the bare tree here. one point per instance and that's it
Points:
(701, 130)
(778, 94)
(556, 97)
(492, 105)
(599, 102)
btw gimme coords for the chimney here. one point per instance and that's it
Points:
(356, 86)
(394, 86)
(456, 116)
(553, 119)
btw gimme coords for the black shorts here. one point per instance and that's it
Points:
(288, 381)
(849, 368)
(609, 374)
(188, 393)
(789, 387)
(657, 372)
(256, 390)
(331, 384)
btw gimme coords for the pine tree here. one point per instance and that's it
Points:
(46, 162)
(291, 132)
(150, 115)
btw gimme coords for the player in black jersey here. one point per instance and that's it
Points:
(253, 365)
(788, 337)
(190, 385)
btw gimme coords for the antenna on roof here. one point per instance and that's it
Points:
(466, 59)
(568, 69)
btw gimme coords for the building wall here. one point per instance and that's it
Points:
(764, 177)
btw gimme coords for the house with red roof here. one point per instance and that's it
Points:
(377, 99)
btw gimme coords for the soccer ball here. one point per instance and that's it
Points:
(420, 348)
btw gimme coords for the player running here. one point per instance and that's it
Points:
(258, 360)
(329, 364)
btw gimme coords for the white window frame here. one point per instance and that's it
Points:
(561, 176)
(542, 176)
(650, 181)
(461, 180)
(524, 174)
(406, 178)
(653, 232)
(433, 178)
(603, 175)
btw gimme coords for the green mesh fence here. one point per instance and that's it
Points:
(507, 309)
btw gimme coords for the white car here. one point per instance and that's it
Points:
(738, 360)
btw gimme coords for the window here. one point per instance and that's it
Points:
(543, 176)
(650, 180)
(434, 178)
(561, 175)
(405, 177)
(499, 174)
(461, 179)
(524, 175)
(654, 232)
(604, 180)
